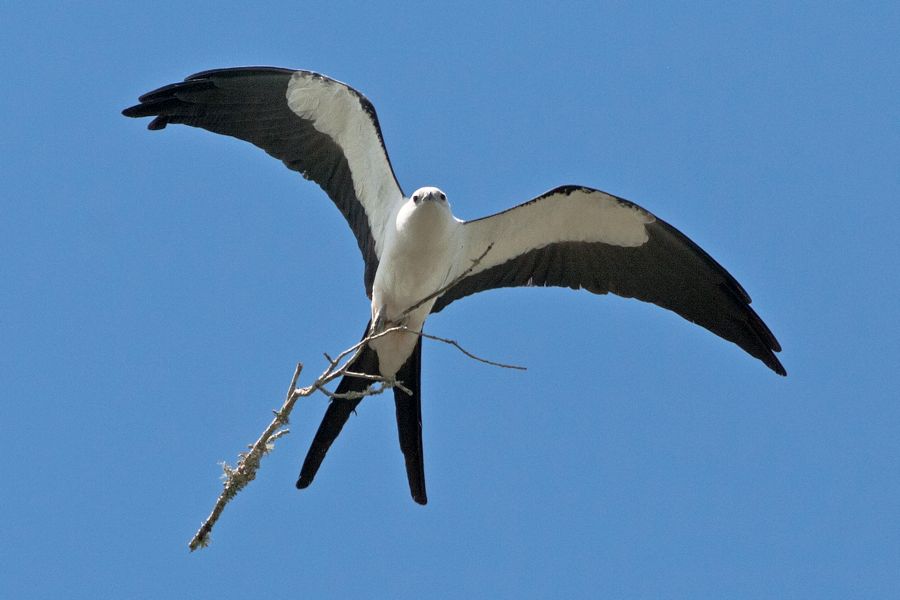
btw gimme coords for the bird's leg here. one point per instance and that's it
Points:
(380, 323)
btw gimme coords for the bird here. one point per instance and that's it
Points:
(419, 258)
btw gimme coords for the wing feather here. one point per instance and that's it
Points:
(578, 237)
(319, 127)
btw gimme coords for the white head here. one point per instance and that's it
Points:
(428, 208)
(429, 194)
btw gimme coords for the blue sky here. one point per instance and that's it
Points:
(158, 288)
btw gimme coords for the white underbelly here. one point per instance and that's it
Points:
(389, 306)
(416, 262)
(395, 348)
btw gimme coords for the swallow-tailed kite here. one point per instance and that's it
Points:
(413, 246)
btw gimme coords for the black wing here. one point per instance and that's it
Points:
(583, 238)
(317, 126)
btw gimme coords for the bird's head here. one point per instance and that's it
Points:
(426, 209)
(424, 195)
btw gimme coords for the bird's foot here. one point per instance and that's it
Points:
(380, 323)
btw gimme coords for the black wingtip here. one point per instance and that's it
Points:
(158, 123)
(147, 110)
(767, 355)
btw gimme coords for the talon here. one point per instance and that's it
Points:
(377, 324)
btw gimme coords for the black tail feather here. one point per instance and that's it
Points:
(409, 423)
(337, 414)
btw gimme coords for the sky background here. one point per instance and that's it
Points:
(158, 287)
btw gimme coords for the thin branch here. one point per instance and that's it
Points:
(245, 471)
(236, 478)
(456, 345)
(378, 387)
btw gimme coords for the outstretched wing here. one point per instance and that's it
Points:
(578, 237)
(317, 126)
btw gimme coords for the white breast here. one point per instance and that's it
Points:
(420, 250)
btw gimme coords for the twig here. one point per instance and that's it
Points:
(456, 345)
(238, 477)
(245, 472)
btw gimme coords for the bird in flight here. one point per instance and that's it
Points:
(412, 246)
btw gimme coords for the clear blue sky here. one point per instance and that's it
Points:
(158, 287)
